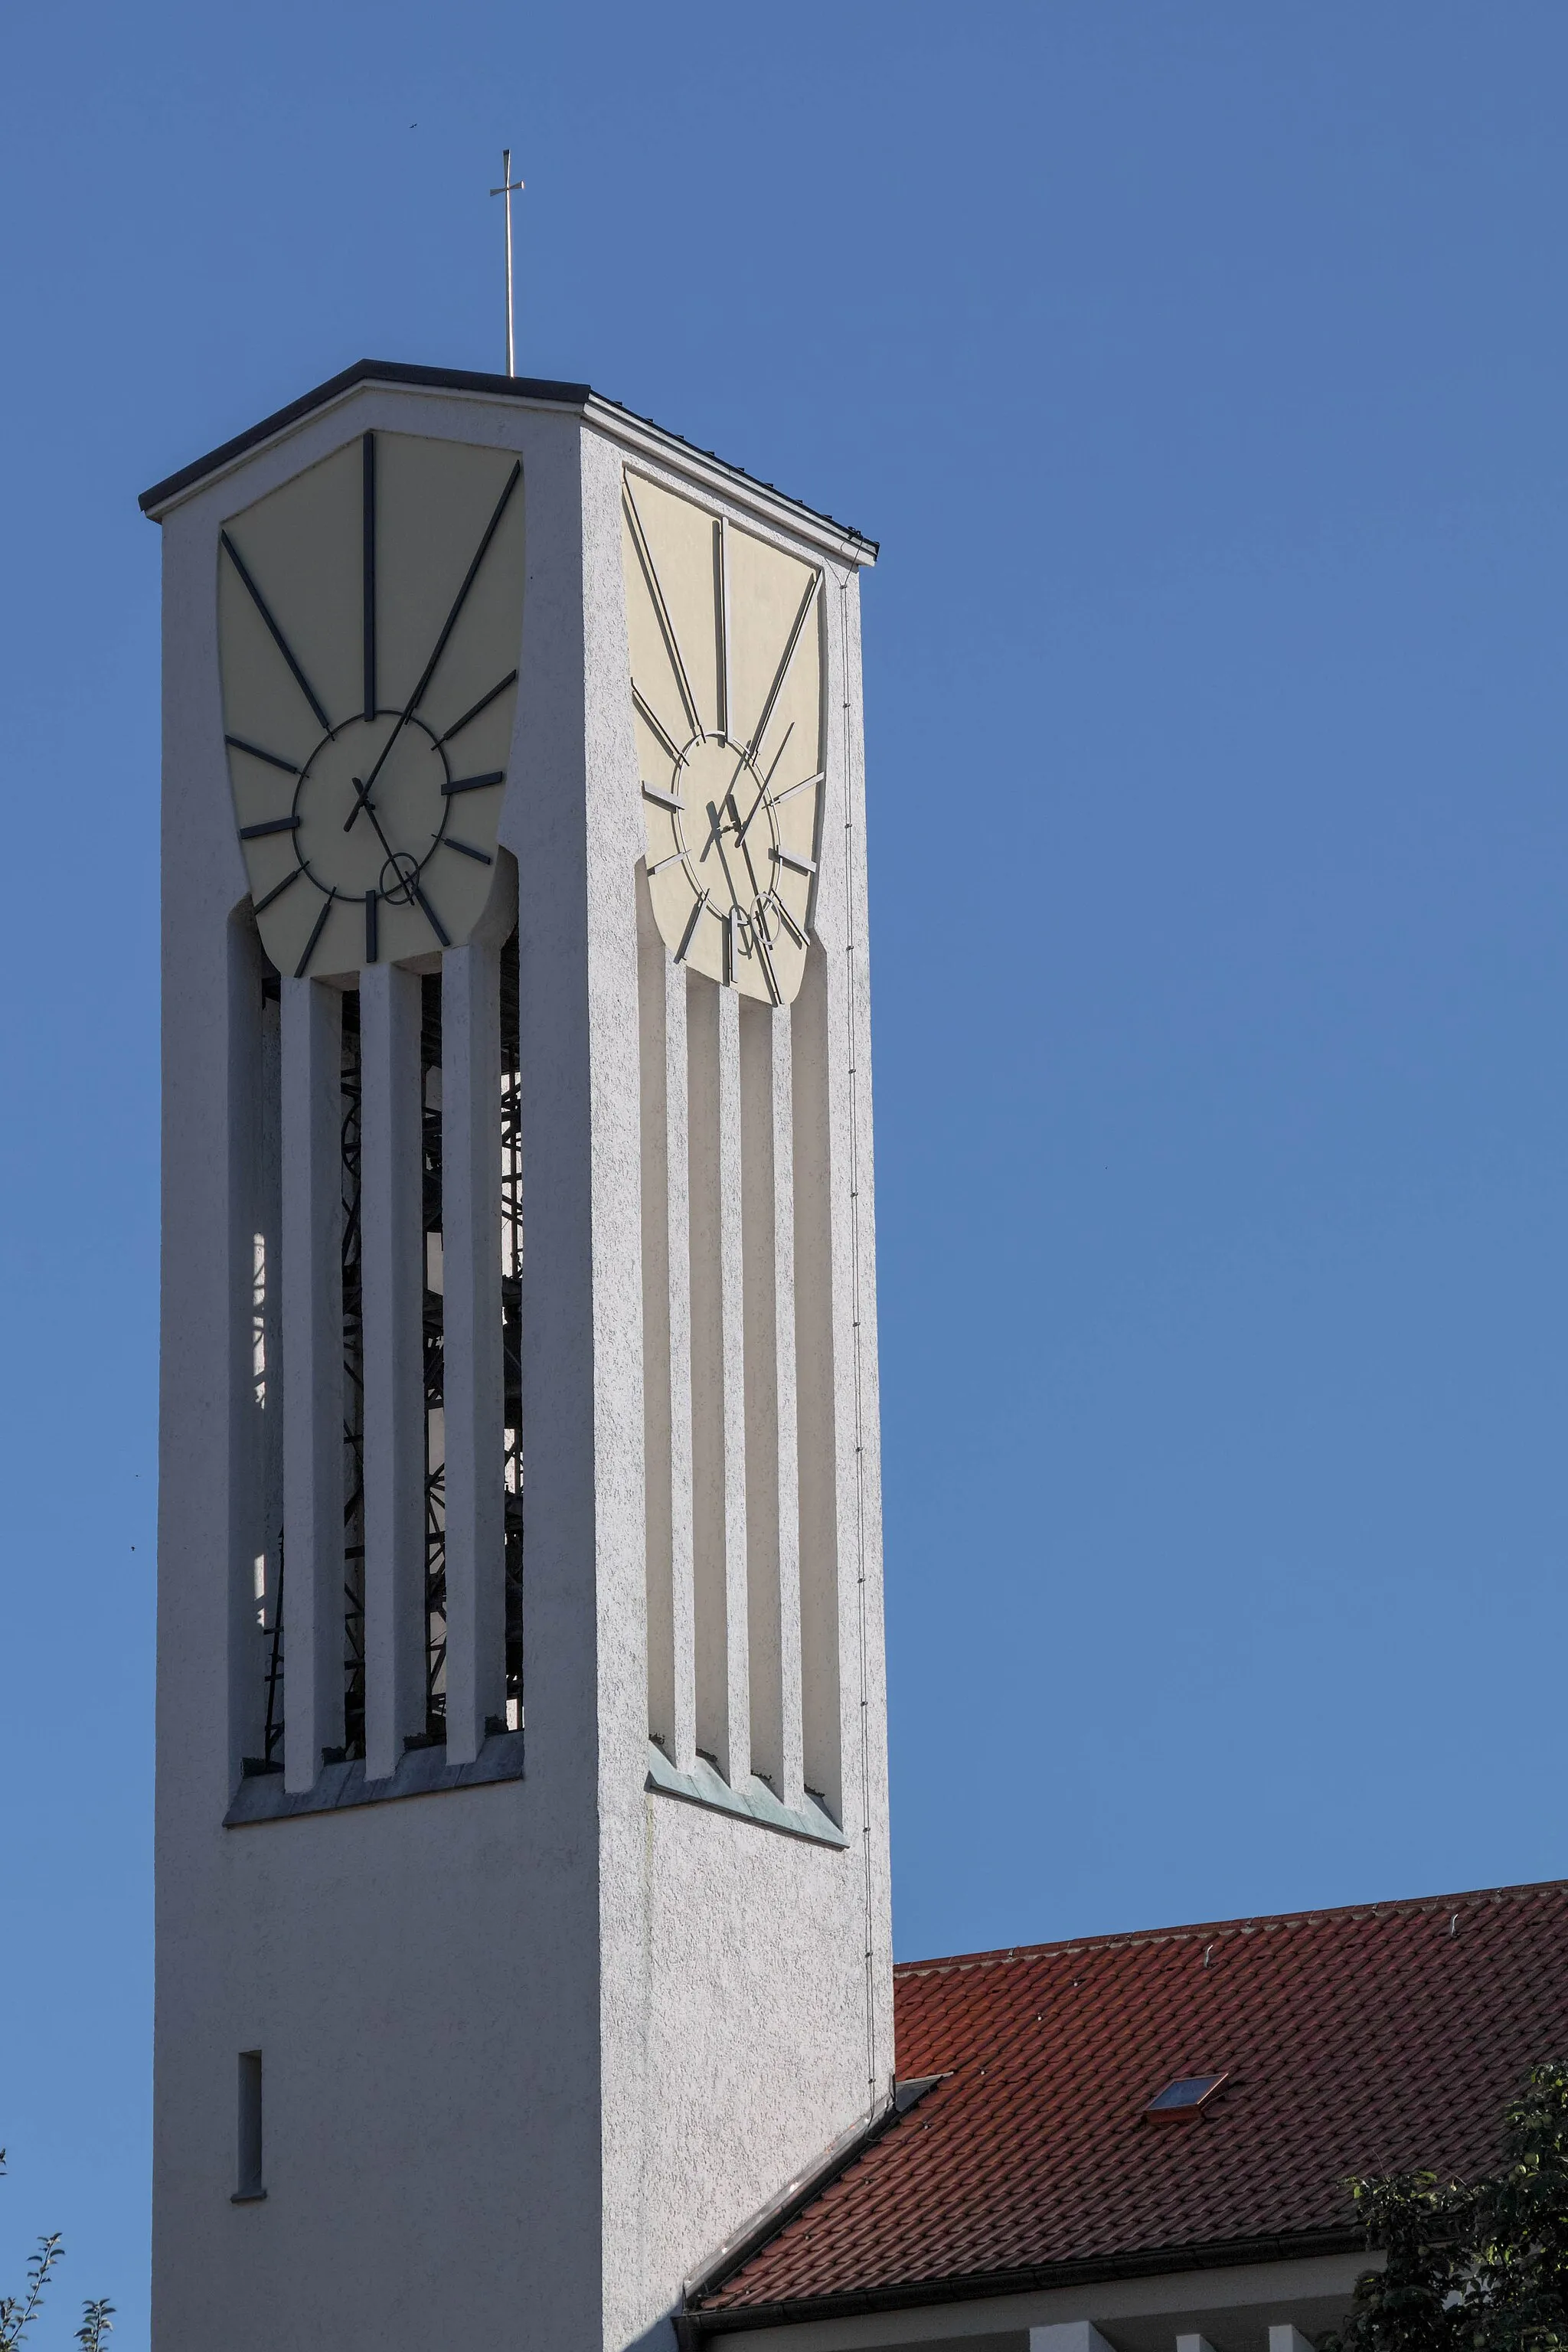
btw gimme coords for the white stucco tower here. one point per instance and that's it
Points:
(522, 1825)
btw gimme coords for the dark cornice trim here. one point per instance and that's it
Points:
(538, 389)
(693, 2325)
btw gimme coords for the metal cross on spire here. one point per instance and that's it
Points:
(509, 186)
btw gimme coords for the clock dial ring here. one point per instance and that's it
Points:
(386, 578)
(718, 799)
(734, 874)
(328, 800)
(727, 635)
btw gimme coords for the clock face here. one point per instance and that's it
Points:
(369, 620)
(726, 651)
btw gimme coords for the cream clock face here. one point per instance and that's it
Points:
(370, 613)
(726, 651)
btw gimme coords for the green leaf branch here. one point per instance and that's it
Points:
(18, 2313)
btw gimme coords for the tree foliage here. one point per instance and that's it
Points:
(17, 2312)
(1482, 2268)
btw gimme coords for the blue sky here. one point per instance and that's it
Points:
(1202, 369)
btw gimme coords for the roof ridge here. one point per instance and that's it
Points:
(1407, 1907)
(545, 391)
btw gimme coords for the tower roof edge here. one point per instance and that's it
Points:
(534, 391)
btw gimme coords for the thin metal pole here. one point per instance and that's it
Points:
(508, 186)
(505, 182)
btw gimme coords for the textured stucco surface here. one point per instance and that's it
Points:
(531, 2049)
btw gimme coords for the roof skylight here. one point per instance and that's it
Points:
(1183, 2098)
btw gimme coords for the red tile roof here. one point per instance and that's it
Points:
(1367, 2040)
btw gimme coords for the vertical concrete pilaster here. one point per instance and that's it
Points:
(391, 1277)
(471, 1218)
(312, 1218)
(667, 1342)
(772, 1500)
(736, 1753)
(717, 1377)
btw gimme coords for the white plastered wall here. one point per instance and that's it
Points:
(531, 2051)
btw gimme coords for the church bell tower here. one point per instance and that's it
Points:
(522, 1902)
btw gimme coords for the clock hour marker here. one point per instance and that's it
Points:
(483, 703)
(807, 784)
(238, 743)
(303, 965)
(807, 602)
(661, 613)
(760, 940)
(729, 713)
(432, 917)
(686, 936)
(279, 639)
(651, 718)
(474, 784)
(778, 755)
(415, 700)
(788, 920)
(462, 597)
(313, 688)
(368, 513)
(278, 889)
(721, 620)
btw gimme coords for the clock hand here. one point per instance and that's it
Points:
(412, 705)
(714, 822)
(764, 952)
(364, 803)
(408, 884)
(740, 843)
(767, 780)
(364, 790)
(713, 842)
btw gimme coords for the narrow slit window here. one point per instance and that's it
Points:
(249, 2182)
(260, 1700)
(353, 1397)
(435, 1730)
